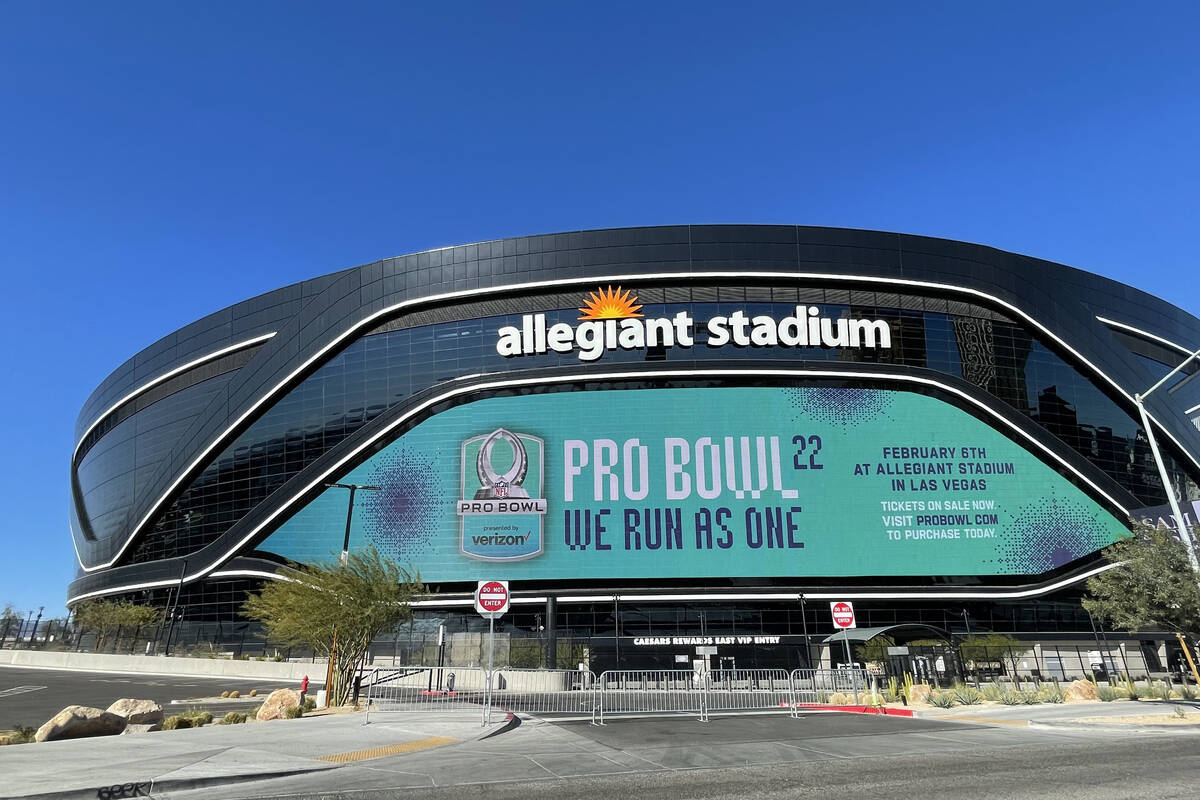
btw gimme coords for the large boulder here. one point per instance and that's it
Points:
(77, 722)
(919, 693)
(277, 704)
(1081, 692)
(138, 712)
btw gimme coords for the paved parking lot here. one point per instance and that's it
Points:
(32, 696)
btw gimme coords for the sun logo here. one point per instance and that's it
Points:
(607, 304)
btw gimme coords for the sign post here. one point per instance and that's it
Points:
(843, 620)
(491, 600)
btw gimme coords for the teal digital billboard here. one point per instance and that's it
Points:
(702, 483)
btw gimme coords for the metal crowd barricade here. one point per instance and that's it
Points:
(748, 690)
(429, 689)
(408, 689)
(650, 691)
(818, 685)
(544, 691)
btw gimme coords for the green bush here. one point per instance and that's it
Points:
(309, 704)
(1187, 692)
(176, 723)
(1013, 697)
(20, 734)
(993, 692)
(1158, 691)
(1051, 694)
(295, 712)
(1109, 693)
(233, 718)
(967, 695)
(891, 692)
(1031, 697)
(941, 699)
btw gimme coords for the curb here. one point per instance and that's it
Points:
(1138, 727)
(881, 711)
(511, 722)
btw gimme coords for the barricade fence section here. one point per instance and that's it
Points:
(437, 689)
(650, 691)
(749, 690)
(818, 686)
(616, 692)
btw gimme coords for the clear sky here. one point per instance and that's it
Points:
(160, 161)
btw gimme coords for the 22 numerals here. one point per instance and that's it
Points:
(813, 445)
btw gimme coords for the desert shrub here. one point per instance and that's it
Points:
(295, 712)
(891, 692)
(176, 723)
(1031, 697)
(1051, 693)
(1187, 692)
(993, 692)
(225, 693)
(233, 718)
(309, 704)
(235, 693)
(967, 695)
(941, 699)
(1012, 697)
(1158, 691)
(821, 697)
(20, 734)
(253, 693)
(278, 657)
(1109, 693)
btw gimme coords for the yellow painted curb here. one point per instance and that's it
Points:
(389, 750)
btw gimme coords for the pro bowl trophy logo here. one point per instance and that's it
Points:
(502, 508)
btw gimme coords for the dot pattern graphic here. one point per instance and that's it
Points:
(401, 518)
(1048, 534)
(844, 407)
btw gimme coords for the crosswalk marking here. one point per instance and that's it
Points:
(19, 690)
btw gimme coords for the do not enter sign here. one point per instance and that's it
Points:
(491, 598)
(843, 615)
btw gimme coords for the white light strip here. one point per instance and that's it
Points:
(535, 285)
(150, 384)
(1146, 334)
(594, 376)
(1193, 408)
(691, 598)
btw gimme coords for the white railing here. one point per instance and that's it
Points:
(580, 692)
(817, 686)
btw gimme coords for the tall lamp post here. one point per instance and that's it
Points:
(353, 487)
(1184, 534)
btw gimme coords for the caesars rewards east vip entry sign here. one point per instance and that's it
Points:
(843, 615)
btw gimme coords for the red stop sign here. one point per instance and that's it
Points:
(491, 597)
(843, 614)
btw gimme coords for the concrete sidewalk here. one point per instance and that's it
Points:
(223, 754)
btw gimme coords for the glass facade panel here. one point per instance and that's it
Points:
(382, 370)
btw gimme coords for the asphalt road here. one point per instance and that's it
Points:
(32, 696)
(767, 757)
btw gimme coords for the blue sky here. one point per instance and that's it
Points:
(159, 161)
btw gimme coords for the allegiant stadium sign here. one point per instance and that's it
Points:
(611, 320)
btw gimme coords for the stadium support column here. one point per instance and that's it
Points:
(551, 633)
(1185, 535)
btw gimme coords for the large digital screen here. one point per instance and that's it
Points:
(705, 482)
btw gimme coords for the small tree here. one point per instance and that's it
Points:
(10, 621)
(104, 617)
(1152, 586)
(350, 604)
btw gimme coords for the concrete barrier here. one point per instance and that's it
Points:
(196, 667)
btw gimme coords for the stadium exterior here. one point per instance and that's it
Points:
(661, 436)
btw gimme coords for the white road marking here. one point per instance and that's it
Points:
(19, 690)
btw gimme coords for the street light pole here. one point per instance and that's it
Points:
(1184, 534)
(353, 487)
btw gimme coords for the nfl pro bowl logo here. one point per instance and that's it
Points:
(502, 508)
